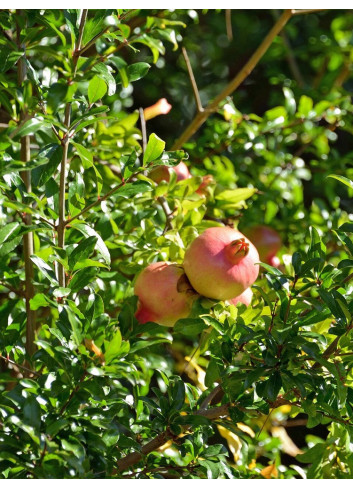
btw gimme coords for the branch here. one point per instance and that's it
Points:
(217, 390)
(168, 213)
(193, 81)
(12, 289)
(162, 438)
(308, 11)
(229, 24)
(92, 41)
(73, 392)
(65, 144)
(27, 218)
(200, 118)
(19, 366)
(143, 129)
(98, 201)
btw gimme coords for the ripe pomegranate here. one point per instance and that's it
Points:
(221, 263)
(268, 243)
(163, 173)
(165, 295)
(244, 298)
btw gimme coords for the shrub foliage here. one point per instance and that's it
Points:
(88, 392)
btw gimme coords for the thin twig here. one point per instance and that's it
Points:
(168, 213)
(65, 145)
(73, 392)
(329, 350)
(22, 367)
(308, 11)
(21, 293)
(229, 29)
(273, 315)
(217, 390)
(291, 58)
(98, 201)
(93, 41)
(193, 81)
(201, 117)
(143, 129)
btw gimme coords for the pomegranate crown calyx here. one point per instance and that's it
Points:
(238, 249)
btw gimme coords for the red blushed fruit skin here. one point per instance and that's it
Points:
(244, 298)
(221, 263)
(159, 299)
(163, 173)
(268, 243)
(206, 181)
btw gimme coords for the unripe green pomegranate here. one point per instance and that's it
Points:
(221, 263)
(268, 243)
(244, 298)
(165, 294)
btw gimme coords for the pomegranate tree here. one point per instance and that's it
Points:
(221, 263)
(164, 293)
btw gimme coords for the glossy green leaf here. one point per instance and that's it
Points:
(97, 88)
(154, 149)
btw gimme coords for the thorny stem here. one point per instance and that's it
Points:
(27, 217)
(65, 145)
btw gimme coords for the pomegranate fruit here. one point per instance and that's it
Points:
(221, 263)
(165, 295)
(268, 243)
(163, 173)
(206, 181)
(244, 298)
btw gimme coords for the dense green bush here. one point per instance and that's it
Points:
(88, 392)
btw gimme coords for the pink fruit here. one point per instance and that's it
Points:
(164, 293)
(244, 298)
(206, 181)
(163, 173)
(268, 243)
(221, 263)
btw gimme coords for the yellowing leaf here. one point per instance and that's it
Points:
(246, 429)
(233, 441)
(269, 472)
(91, 346)
(288, 445)
(200, 373)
